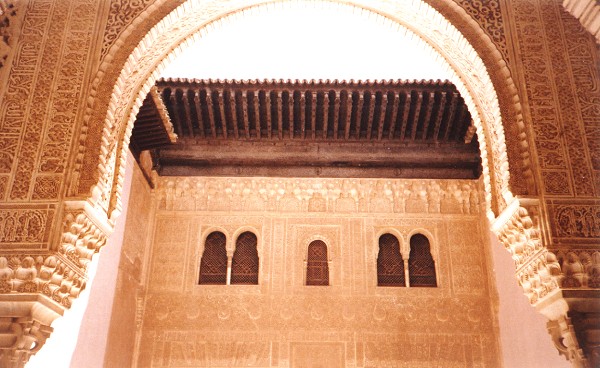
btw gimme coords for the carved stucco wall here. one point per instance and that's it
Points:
(55, 91)
(353, 323)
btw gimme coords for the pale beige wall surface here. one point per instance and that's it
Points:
(523, 336)
(120, 348)
(281, 322)
(55, 95)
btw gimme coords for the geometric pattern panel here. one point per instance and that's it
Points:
(421, 267)
(390, 265)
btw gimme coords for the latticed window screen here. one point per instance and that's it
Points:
(390, 265)
(421, 267)
(244, 266)
(317, 268)
(213, 265)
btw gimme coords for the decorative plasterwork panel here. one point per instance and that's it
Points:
(565, 108)
(44, 84)
(121, 14)
(489, 16)
(320, 195)
(47, 274)
(279, 321)
(27, 227)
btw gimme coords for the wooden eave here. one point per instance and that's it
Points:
(318, 128)
(153, 128)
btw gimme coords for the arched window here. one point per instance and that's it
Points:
(390, 265)
(421, 267)
(244, 267)
(317, 267)
(213, 265)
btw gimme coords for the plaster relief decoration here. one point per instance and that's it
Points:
(26, 228)
(122, 13)
(540, 274)
(489, 15)
(581, 268)
(576, 221)
(81, 240)
(537, 269)
(8, 12)
(45, 274)
(320, 195)
(26, 337)
(356, 320)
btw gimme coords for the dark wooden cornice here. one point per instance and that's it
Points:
(299, 127)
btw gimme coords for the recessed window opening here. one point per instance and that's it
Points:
(317, 266)
(244, 266)
(421, 267)
(390, 265)
(213, 264)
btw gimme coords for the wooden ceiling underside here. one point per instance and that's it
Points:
(317, 128)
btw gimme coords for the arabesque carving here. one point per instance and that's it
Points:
(47, 274)
(576, 221)
(81, 239)
(564, 113)
(25, 227)
(537, 269)
(7, 11)
(489, 16)
(122, 13)
(334, 195)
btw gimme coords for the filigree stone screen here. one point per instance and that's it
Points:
(213, 265)
(317, 268)
(421, 267)
(244, 267)
(390, 265)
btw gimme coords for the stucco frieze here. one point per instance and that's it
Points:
(320, 195)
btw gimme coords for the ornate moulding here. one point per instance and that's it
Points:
(37, 287)
(320, 195)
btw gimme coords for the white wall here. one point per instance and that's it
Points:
(523, 335)
(79, 337)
